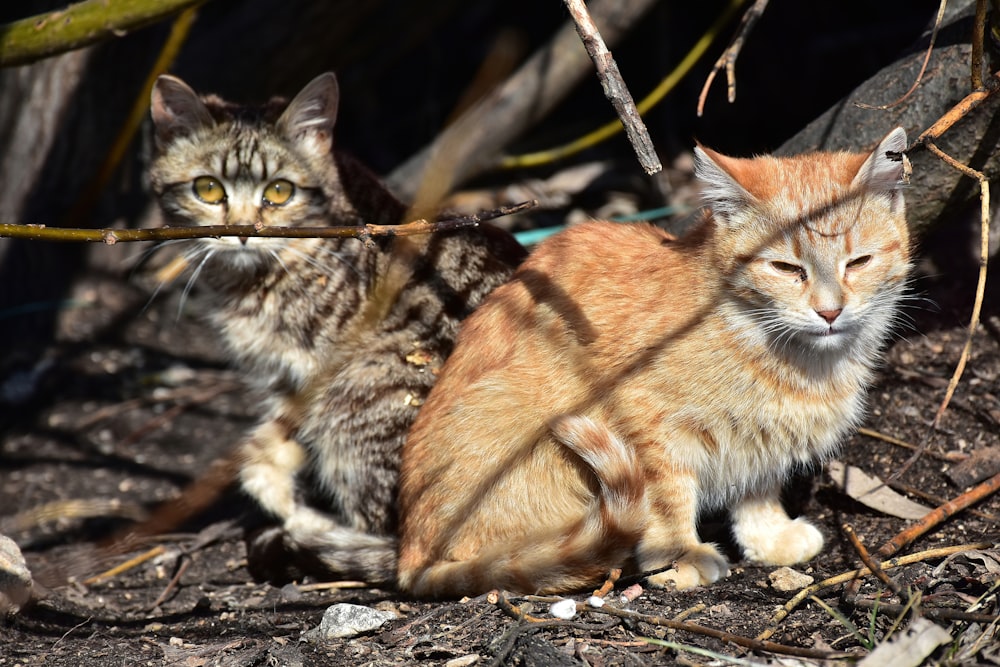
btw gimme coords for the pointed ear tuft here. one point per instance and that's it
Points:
(176, 110)
(881, 172)
(720, 190)
(313, 113)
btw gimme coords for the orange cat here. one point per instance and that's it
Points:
(624, 381)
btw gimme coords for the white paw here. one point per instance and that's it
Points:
(794, 542)
(698, 566)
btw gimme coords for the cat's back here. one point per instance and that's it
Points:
(577, 293)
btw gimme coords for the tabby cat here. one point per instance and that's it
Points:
(625, 381)
(344, 337)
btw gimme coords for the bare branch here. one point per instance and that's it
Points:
(614, 87)
(112, 236)
(728, 58)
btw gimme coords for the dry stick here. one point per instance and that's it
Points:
(364, 232)
(804, 594)
(984, 253)
(127, 565)
(923, 67)
(938, 500)
(867, 559)
(499, 599)
(929, 521)
(721, 635)
(940, 514)
(951, 457)
(609, 583)
(614, 87)
(934, 613)
(174, 580)
(978, 35)
(523, 99)
(732, 52)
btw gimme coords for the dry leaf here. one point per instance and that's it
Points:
(872, 492)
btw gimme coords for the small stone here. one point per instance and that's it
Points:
(595, 601)
(15, 578)
(348, 620)
(463, 661)
(785, 579)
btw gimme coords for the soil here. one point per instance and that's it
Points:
(134, 400)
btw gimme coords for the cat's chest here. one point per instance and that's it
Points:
(757, 434)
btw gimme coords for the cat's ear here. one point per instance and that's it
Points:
(177, 110)
(310, 117)
(719, 187)
(883, 170)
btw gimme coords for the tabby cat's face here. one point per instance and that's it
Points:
(217, 167)
(817, 252)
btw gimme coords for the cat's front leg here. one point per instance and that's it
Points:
(768, 535)
(671, 539)
(270, 460)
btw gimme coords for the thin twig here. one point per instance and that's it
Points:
(923, 67)
(112, 236)
(721, 635)
(614, 87)
(608, 130)
(984, 253)
(127, 565)
(609, 583)
(958, 112)
(867, 559)
(939, 515)
(978, 37)
(934, 613)
(174, 580)
(951, 457)
(909, 559)
(728, 58)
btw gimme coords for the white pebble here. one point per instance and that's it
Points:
(595, 601)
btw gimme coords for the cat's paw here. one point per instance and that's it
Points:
(795, 542)
(698, 566)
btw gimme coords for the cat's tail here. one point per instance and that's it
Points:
(318, 545)
(570, 559)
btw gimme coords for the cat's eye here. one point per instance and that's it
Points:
(790, 269)
(858, 262)
(209, 190)
(278, 192)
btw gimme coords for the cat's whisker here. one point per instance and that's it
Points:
(277, 257)
(191, 281)
(340, 257)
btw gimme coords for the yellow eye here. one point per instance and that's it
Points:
(209, 190)
(278, 192)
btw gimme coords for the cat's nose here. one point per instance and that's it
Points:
(830, 315)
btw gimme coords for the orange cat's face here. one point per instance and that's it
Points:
(811, 279)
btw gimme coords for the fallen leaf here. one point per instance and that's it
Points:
(910, 647)
(872, 492)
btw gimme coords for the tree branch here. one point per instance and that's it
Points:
(113, 236)
(614, 87)
(80, 24)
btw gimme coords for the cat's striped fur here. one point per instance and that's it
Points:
(343, 337)
(624, 381)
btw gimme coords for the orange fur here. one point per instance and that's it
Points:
(624, 380)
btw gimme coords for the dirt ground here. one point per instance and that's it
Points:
(132, 402)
